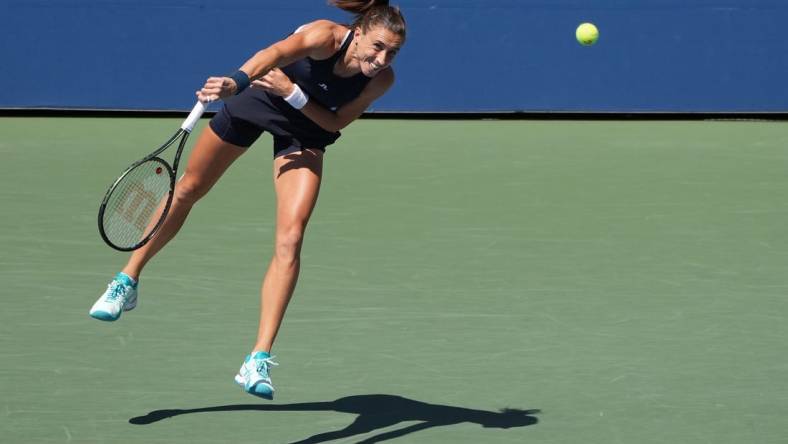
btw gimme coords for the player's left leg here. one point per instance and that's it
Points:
(297, 183)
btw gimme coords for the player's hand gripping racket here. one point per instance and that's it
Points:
(137, 202)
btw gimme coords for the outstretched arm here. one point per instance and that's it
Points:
(158, 415)
(317, 40)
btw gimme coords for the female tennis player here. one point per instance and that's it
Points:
(302, 90)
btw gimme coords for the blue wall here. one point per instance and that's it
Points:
(462, 55)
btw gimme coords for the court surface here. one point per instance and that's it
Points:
(626, 279)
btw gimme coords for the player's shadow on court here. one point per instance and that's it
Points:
(375, 412)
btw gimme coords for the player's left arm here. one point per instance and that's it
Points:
(278, 83)
(347, 113)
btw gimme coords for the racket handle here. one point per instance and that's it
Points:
(194, 116)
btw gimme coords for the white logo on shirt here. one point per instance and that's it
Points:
(323, 85)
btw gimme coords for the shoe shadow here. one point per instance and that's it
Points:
(375, 412)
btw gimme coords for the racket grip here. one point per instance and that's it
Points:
(194, 116)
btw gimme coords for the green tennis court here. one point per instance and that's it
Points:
(625, 279)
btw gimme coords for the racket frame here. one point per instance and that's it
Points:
(182, 134)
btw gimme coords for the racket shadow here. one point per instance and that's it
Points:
(375, 412)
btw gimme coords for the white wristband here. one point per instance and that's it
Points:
(297, 99)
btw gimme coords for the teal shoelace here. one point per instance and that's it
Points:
(116, 290)
(263, 365)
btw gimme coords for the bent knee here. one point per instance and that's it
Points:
(288, 243)
(189, 190)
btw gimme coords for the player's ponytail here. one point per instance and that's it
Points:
(357, 6)
(371, 13)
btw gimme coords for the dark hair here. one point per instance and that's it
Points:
(371, 13)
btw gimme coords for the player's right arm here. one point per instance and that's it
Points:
(317, 40)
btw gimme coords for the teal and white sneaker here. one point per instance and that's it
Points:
(255, 375)
(121, 295)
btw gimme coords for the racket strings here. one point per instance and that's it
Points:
(135, 200)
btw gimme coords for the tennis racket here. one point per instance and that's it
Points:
(137, 203)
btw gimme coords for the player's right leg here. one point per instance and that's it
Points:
(210, 158)
(297, 178)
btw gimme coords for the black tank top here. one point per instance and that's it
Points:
(317, 79)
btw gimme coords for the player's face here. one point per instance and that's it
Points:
(376, 49)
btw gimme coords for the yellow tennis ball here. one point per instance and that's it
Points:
(587, 34)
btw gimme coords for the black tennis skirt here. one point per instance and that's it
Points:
(243, 118)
